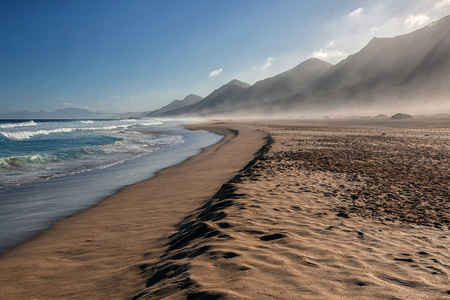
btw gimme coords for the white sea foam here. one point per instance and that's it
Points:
(149, 123)
(27, 134)
(23, 135)
(96, 156)
(87, 122)
(21, 161)
(44, 156)
(13, 125)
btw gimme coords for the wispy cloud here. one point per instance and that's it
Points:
(381, 18)
(348, 32)
(356, 13)
(417, 21)
(215, 73)
(72, 105)
(442, 4)
(268, 63)
(330, 44)
(327, 53)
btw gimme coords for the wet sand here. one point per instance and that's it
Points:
(327, 209)
(96, 254)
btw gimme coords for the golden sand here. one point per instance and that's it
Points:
(327, 209)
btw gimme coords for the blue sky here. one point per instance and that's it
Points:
(136, 55)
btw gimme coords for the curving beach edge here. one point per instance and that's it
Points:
(96, 254)
(279, 209)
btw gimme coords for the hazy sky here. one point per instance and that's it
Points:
(136, 55)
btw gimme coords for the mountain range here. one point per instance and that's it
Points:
(175, 104)
(411, 70)
(62, 113)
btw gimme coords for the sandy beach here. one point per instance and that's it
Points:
(96, 254)
(292, 209)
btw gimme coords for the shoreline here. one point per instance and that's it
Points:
(29, 209)
(97, 251)
(354, 209)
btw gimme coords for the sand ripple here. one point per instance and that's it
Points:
(329, 212)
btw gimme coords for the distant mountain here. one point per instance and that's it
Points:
(63, 113)
(400, 68)
(291, 82)
(214, 101)
(411, 70)
(239, 95)
(175, 104)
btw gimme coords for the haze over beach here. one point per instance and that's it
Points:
(225, 149)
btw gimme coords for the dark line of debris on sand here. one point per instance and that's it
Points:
(171, 274)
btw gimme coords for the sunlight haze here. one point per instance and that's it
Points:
(118, 56)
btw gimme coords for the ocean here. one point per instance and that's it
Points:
(51, 169)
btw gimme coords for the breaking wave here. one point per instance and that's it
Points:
(22, 161)
(23, 135)
(58, 148)
(13, 125)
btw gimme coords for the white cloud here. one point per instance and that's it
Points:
(417, 21)
(330, 44)
(349, 32)
(382, 18)
(215, 73)
(268, 63)
(356, 13)
(114, 97)
(72, 105)
(441, 5)
(327, 53)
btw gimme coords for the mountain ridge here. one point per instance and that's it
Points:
(62, 113)
(175, 104)
(410, 70)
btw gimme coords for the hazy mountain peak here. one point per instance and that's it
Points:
(175, 104)
(315, 60)
(192, 98)
(238, 83)
(62, 113)
(386, 72)
(445, 19)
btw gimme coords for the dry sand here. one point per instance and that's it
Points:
(345, 209)
(328, 209)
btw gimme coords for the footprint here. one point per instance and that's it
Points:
(343, 215)
(224, 225)
(404, 259)
(228, 255)
(205, 295)
(272, 237)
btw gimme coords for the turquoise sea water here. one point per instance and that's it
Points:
(50, 169)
